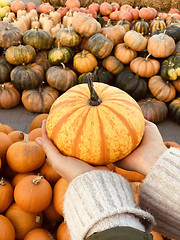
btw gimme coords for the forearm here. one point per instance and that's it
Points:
(160, 193)
(99, 200)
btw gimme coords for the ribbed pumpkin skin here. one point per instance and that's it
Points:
(98, 135)
(5, 69)
(27, 76)
(142, 27)
(38, 38)
(6, 228)
(20, 54)
(157, 23)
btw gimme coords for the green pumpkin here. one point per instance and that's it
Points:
(5, 69)
(142, 27)
(59, 55)
(132, 84)
(99, 75)
(38, 38)
(170, 69)
(174, 110)
(171, 30)
(28, 76)
(157, 23)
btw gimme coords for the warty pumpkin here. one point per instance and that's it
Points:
(6, 228)
(61, 78)
(40, 99)
(27, 76)
(9, 96)
(22, 162)
(33, 194)
(6, 195)
(23, 221)
(145, 67)
(161, 89)
(18, 55)
(106, 114)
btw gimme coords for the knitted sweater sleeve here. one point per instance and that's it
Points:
(160, 193)
(100, 200)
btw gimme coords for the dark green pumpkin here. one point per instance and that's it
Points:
(28, 76)
(142, 26)
(132, 84)
(174, 110)
(170, 68)
(99, 45)
(5, 69)
(171, 30)
(38, 38)
(59, 55)
(157, 24)
(99, 75)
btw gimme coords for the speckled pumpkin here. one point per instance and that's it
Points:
(98, 128)
(38, 38)
(17, 55)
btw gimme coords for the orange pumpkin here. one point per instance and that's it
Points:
(40, 234)
(6, 228)
(30, 156)
(6, 195)
(23, 221)
(156, 235)
(136, 186)
(33, 194)
(17, 178)
(34, 134)
(16, 136)
(58, 195)
(62, 232)
(172, 144)
(8, 128)
(37, 121)
(5, 142)
(131, 176)
(51, 214)
(113, 120)
(17, 5)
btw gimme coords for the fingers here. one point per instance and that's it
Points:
(43, 129)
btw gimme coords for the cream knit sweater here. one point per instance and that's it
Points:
(99, 200)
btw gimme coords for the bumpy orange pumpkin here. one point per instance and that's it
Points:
(97, 129)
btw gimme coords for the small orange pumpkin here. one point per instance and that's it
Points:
(6, 194)
(40, 234)
(6, 228)
(62, 232)
(37, 121)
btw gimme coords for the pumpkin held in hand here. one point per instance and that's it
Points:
(99, 125)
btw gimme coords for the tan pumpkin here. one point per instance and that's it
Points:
(176, 84)
(114, 33)
(19, 23)
(23, 221)
(124, 53)
(33, 194)
(145, 67)
(6, 195)
(23, 162)
(112, 64)
(17, 55)
(135, 40)
(9, 96)
(39, 100)
(84, 61)
(77, 143)
(161, 89)
(40, 234)
(161, 45)
(61, 78)
(85, 24)
(6, 228)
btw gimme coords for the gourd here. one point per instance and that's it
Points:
(104, 101)
(170, 68)
(142, 27)
(157, 23)
(112, 64)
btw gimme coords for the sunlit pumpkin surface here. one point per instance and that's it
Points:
(96, 134)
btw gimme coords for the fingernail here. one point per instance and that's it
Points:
(39, 141)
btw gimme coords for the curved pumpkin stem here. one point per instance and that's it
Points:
(2, 182)
(37, 180)
(146, 59)
(94, 99)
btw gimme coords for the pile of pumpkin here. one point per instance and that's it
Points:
(31, 192)
(46, 51)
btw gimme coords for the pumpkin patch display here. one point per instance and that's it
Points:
(106, 123)
(170, 68)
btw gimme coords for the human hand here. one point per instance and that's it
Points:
(147, 153)
(67, 167)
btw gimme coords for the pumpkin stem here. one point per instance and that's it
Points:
(37, 180)
(63, 65)
(26, 137)
(146, 59)
(59, 45)
(2, 182)
(163, 34)
(38, 219)
(94, 99)
(2, 87)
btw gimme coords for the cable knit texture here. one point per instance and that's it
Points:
(160, 193)
(99, 200)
